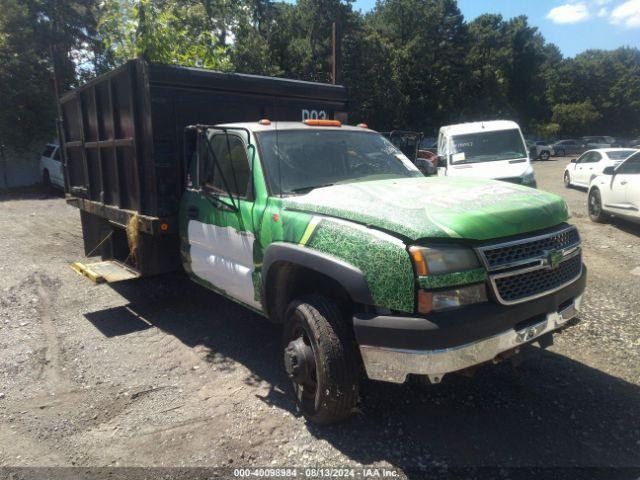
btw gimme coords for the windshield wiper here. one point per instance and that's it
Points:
(309, 188)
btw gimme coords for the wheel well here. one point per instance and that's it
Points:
(286, 281)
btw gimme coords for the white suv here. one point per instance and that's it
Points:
(616, 191)
(591, 163)
(51, 166)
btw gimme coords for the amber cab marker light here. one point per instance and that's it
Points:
(322, 123)
(419, 261)
(164, 227)
(265, 121)
(362, 125)
(425, 301)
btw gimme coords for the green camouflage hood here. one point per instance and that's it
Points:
(437, 207)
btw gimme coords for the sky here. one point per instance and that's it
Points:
(573, 25)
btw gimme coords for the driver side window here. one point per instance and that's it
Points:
(232, 173)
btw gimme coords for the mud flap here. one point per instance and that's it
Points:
(107, 271)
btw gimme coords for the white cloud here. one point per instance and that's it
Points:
(603, 12)
(626, 14)
(569, 13)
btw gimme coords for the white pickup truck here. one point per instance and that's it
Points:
(493, 149)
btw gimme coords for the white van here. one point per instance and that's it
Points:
(493, 149)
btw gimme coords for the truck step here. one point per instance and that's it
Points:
(108, 271)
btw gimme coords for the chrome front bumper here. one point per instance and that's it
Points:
(393, 365)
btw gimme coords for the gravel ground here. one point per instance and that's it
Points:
(161, 372)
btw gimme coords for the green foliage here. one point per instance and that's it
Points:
(576, 118)
(25, 82)
(179, 32)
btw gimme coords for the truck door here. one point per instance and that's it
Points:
(217, 234)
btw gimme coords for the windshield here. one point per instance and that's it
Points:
(488, 146)
(297, 161)
(620, 154)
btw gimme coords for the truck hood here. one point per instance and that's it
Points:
(437, 207)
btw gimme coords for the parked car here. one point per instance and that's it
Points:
(590, 164)
(51, 166)
(492, 149)
(562, 148)
(539, 150)
(633, 143)
(616, 192)
(600, 142)
(428, 152)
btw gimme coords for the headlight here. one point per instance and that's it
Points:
(439, 260)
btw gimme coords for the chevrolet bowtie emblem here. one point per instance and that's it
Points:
(554, 258)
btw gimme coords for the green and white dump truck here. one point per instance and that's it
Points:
(325, 228)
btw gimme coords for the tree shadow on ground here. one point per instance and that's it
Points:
(34, 192)
(551, 411)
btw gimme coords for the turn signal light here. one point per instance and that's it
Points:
(418, 261)
(322, 123)
(425, 301)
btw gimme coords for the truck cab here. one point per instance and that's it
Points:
(492, 149)
(332, 231)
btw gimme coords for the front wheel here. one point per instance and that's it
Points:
(596, 214)
(561, 153)
(321, 359)
(46, 178)
(567, 180)
(544, 155)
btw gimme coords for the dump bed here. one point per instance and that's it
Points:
(123, 131)
(122, 137)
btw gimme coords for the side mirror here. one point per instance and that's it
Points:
(426, 167)
(574, 160)
(609, 171)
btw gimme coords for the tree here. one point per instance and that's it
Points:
(167, 31)
(426, 42)
(576, 118)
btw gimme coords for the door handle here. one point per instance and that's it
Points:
(193, 212)
(624, 182)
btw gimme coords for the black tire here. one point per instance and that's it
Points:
(567, 180)
(315, 331)
(46, 178)
(594, 206)
(561, 153)
(544, 155)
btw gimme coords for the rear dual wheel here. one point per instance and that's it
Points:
(321, 359)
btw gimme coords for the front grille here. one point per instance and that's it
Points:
(519, 251)
(530, 284)
(531, 267)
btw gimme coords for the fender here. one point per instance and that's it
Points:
(351, 278)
